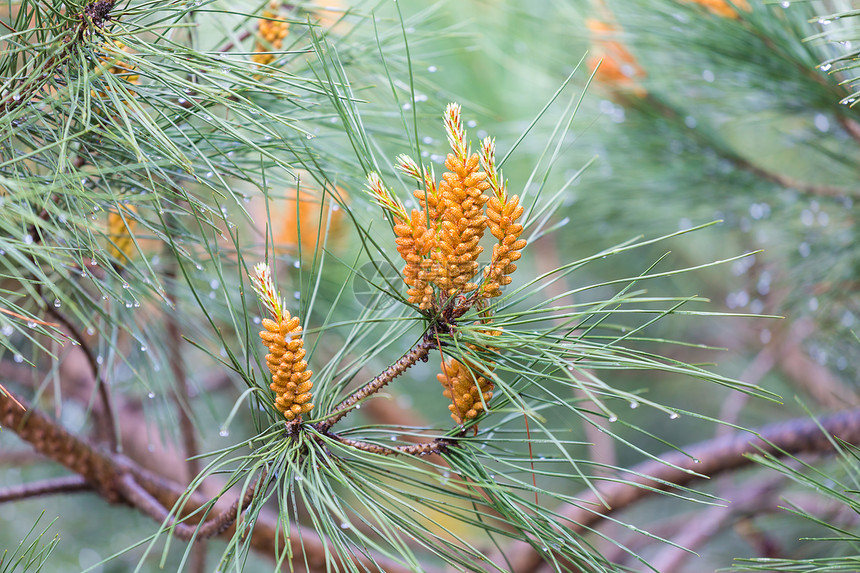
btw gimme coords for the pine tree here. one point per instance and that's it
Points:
(191, 193)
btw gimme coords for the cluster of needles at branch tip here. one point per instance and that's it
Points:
(282, 335)
(440, 245)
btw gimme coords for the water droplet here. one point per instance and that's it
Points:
(213, 284)
(634, 405)
(93, 263)
(825, 67)
(151, 395)
(208, 175)
(613, 418)
(358, 406)
(31, 324)
(91, 331)
(696, 461)
(708, 76)
(224, 432)
(18, 358)
(28, 239)
(125, 285)
(428, 140)
(299, 478)
(143, 348)
(309, 136)
(7, 330)
(297, 264)
(785, 4)
(432, 69)
(100, 359)
(804, 249)
(344, 525)
(674, 416)
(297, 295)
(471, 123)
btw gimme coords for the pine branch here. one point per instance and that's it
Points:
(651, 104)
(106, 419)
(416, 354)
(142, 500)
(67, 484)
(673, 469)
(119, 480)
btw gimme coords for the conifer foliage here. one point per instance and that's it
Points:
(149, 358)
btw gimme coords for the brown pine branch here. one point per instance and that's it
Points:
(214, 525)
(180, 379)
(651, 104)
(67, 484)
(416, 354)
(119, 480)
(675, 469)
(437, 446)
(107, 419)
(749, 499)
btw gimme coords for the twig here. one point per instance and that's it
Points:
(851, 126)
(437, 446)
(419, 352)
(67, 484)
(749, 500)
(674, 469)
(101, 384)
(650, 103)
(827, 389)
(141, 499)
(181, 395)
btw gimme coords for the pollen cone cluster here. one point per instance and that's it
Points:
(414, 241)
(118, 67)
(440, 244)
(291, 379)
(502, 213)
(465, 390)
(463, 222)
(121, 225)
(271, 36)
(290, 376)
(618, 69)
